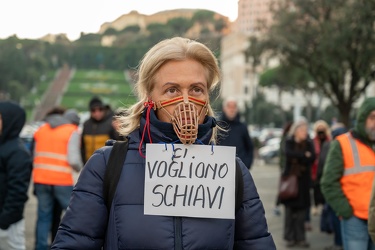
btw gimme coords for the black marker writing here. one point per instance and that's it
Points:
(186, 195)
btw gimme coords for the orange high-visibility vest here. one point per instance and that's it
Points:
(51, 165)
(358, 175)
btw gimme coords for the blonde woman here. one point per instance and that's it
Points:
(175, 79)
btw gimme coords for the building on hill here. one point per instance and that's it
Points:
(134, 18)
(56, 38)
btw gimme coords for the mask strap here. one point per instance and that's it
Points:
(148, 106)
(161, 104)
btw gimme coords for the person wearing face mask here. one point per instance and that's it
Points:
(322, 135)
(175, 78)
(348, 177)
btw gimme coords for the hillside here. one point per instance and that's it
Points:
(110, 85)
(74, 88)
(142, 20)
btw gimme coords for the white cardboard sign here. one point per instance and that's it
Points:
(190, 181)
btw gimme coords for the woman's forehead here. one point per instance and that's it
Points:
(180, 72)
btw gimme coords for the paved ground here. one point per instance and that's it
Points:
(266, 179)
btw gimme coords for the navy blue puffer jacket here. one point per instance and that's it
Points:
(15, 165)
(86, 224)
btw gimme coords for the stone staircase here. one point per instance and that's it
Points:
(52, 96)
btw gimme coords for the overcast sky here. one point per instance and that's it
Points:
(36, 18)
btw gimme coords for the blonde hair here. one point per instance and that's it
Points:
(174, 49)
(324, 124)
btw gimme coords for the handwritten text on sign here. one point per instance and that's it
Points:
(190, 181)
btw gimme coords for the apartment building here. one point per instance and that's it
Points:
(240, 79)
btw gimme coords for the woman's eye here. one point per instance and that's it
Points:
(197, 91)
(171, 91)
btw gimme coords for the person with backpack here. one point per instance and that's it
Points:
(175, 79)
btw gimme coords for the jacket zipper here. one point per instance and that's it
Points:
(177, 233)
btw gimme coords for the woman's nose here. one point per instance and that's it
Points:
(185, 95)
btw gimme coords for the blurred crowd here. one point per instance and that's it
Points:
(334, 167)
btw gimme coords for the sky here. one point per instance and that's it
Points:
(34, 19)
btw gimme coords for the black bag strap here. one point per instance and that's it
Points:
(113, 171)
(239, 186)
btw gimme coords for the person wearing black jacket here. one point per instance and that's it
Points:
(237, 134)
(15, 174)
(299, 156)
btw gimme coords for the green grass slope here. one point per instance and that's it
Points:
(111, 86)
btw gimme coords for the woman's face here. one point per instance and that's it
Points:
(301, 133)
(180, 78)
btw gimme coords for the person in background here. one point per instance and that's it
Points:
(15, 174)
(237, 134)
(348, 177)
(175, 79)
(57, 210)
(299, 156)
(282, 160)
(97, 129)
(322, 134)
(56, 155)
(336, 130)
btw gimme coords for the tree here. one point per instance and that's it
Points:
(333, 40)
(289, 78)
(110, 32)
(203, 16)
(267, 114)
(180, 25)
(90, 38)
(220, 24)
(21, 64)
(158, 32)
(132, 29)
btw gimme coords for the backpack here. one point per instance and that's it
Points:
(114, 168)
